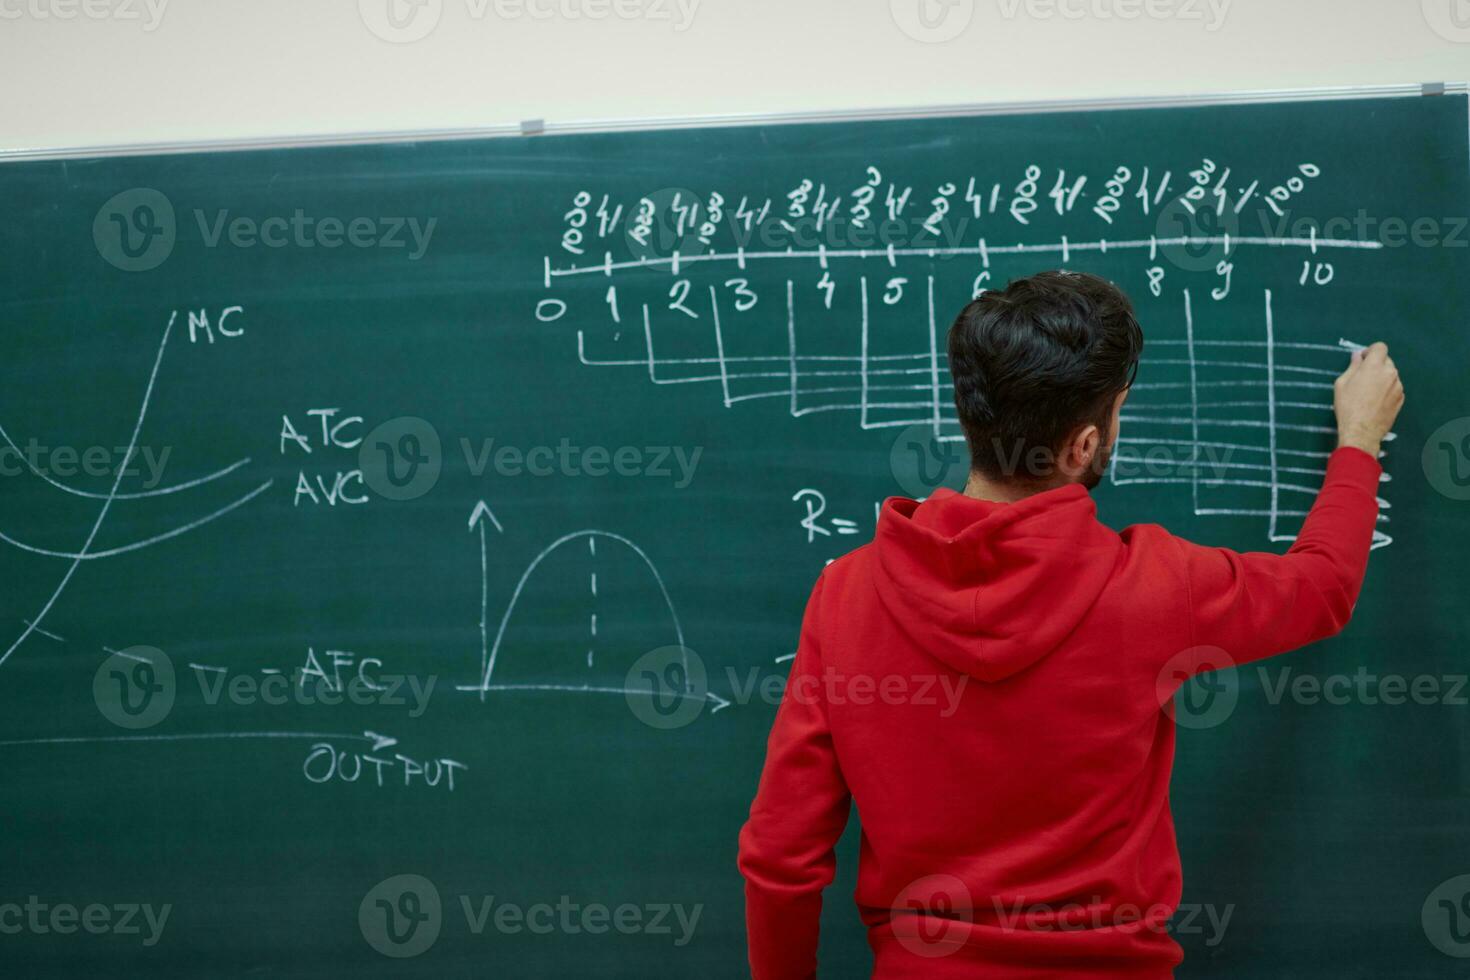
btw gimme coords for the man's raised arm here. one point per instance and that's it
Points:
(1258, 605)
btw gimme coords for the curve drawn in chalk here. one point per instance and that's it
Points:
(491, 650)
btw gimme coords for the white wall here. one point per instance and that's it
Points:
(199, 69)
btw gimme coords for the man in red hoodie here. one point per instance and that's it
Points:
(1021, 828)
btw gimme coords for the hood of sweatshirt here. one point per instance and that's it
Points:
(990, 588)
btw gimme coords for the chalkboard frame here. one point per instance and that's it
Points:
(541, 127)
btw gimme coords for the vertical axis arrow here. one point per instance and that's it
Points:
(477, 518)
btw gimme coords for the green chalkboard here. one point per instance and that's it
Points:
(475, 488)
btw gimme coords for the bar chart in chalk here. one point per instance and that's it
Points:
(1241, 426)
(1252, 416)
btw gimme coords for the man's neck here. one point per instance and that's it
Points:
(982, 487)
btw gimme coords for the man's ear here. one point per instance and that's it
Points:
(1084, 446)
(1080, 449)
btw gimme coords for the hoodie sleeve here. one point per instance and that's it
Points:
(800, 810)
(1257, 605)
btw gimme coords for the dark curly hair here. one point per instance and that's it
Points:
(1036, 360)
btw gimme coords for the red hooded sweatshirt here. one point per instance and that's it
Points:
(988, 682)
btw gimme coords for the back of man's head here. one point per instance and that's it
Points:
(1036, 361)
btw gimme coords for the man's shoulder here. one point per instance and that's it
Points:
(843, 574)
(1147, 536)
(1153, 546)
(855, 562)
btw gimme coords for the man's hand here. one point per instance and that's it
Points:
(1367, 398)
